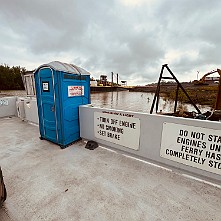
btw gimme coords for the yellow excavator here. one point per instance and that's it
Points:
(202, 81)
(216, 114)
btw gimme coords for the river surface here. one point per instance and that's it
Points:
(125, 100)
(137, 101)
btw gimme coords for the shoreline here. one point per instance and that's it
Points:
(201, 95)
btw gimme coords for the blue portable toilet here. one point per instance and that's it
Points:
(60, 89)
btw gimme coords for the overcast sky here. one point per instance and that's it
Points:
(130, 37)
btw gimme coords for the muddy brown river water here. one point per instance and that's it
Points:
(125, 100)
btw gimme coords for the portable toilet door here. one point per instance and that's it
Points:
(57, 110)
(45, 81)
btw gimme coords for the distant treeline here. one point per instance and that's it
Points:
(10, 77)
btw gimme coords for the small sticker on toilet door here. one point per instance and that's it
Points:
(45, 86)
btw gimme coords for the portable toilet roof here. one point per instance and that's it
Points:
(64, 67)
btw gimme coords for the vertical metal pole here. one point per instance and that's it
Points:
(183, 89)
(112, 79)
(117, 79)
(175, 105)
(158, 95)
(157, 91)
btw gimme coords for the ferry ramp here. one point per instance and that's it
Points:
(45, 182)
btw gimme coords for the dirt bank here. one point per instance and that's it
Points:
(203, 95)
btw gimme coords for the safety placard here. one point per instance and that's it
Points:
(45, 86)
(118, 129)
(194, 146)
(75, 91)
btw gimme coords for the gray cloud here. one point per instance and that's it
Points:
(104, 36)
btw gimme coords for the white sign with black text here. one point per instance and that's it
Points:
(45, 86)
(75, 91)
(194, 146)
(122, 130)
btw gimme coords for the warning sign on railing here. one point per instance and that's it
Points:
(194, 146)
(75, 91)
(118, 129)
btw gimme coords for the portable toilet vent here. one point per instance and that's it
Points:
(60, 89)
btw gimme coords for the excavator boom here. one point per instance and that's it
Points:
(205, 75)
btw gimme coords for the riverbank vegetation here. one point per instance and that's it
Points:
(10, 77)
(203, 95)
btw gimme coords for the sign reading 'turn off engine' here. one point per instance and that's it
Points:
(122, 130)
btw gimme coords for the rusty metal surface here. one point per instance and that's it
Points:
(218, 98)
(47, 183)
(3, 192)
